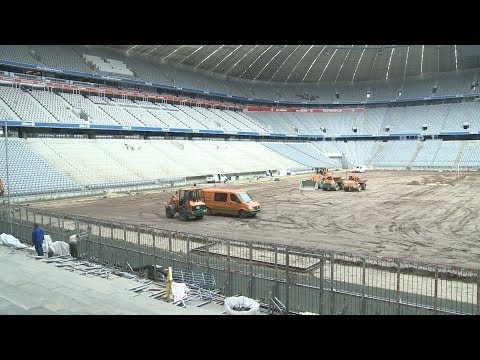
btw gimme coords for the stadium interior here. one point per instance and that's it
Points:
(96, 139)
(90, 117)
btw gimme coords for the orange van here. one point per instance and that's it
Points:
(232, 202)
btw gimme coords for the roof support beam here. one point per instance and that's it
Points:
(328, 63)
(291, 72)
(226, 57)
(343, 63)
(173, 52)
(314, 61)
(406, 62)
(243, 57)
(133, 47)
(254, 61)
(201, 47)
(456, 58)
(278, 52)
(421, 62)
(358, 63)
(201, 62)
(155, 48)
(438, 58)
(389, 62)
(284, 61)
(373, 65)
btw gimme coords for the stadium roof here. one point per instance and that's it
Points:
(314, 63)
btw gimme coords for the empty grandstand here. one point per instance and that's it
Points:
(418, 118)
(421, 133)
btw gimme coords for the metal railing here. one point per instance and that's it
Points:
(302, 280)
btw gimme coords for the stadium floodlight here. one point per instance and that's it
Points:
(8, 178)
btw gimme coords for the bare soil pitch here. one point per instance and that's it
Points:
(424, 216)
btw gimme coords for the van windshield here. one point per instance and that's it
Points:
(244, 196)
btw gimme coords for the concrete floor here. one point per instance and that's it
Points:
(32, 287)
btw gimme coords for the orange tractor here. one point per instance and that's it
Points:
(323, 179)
(330, 183)
(354, 183)
(320, 173)
(189, 203)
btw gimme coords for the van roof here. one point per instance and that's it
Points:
(224, 190)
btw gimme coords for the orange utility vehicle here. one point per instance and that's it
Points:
(320, 172)
(230, 202)
(330, 183)
(322, 179)
(354, 183)
(189, 203)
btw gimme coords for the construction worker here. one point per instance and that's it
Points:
(73, 242)
(2, 191)
(37, 239)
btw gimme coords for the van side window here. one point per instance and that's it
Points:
(220, 197)
(234, 197)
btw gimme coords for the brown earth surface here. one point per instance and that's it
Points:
(432, 217)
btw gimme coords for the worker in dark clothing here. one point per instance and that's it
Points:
(73, 242)
(2, 191)
(37, 239)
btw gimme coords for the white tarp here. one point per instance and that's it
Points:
(12, 241)
(179, 290)
(47, 243)
(241, 305)
(60, 248)
(73, 239)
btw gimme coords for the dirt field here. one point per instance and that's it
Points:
(425, 216)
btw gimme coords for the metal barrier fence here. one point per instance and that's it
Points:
(304, 280)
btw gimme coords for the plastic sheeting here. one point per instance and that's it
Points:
(60, 248)
(47, 243)
(12, 241)
(73, 239)
(235, 303)
(179, 291)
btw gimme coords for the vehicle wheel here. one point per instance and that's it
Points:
(345, 189)
(182, 214)
(170, 212)
(365, 186)
(242, 214)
